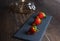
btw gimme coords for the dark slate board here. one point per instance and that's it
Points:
(37, 36)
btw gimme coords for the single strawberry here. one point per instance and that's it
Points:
(41, 15)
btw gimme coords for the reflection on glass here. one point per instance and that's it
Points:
(22, 10)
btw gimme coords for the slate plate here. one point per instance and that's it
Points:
(37, 36)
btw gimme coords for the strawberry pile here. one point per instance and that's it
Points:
(37, 21)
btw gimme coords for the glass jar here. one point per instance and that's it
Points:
(22, 10)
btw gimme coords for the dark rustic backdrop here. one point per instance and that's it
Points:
(8, 24)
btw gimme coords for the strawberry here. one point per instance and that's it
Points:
(32, 30)
(37, 21)
(41, 15)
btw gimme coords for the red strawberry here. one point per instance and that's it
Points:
(37, 21)
(33, 30)
(41, 15)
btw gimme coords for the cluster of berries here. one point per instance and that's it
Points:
(38, 20)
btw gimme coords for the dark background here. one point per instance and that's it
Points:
(8, 24)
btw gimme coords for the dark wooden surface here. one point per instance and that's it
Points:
(8, 24)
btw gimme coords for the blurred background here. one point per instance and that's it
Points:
(8, 24)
